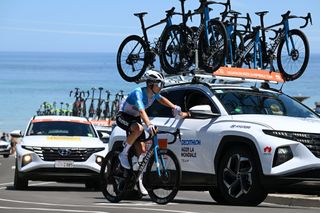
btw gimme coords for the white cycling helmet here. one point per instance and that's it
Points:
(153, 76)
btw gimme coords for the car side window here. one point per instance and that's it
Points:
(158, 110)
(186, 99)
(194, 97)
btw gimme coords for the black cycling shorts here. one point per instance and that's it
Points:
(124, 121)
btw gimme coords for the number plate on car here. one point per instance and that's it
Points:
(63, 164)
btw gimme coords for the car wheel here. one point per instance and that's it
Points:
(19, 182)
(217, 196)
(5, 156)
(238, 178)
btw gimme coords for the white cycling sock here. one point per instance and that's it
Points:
(126, 148)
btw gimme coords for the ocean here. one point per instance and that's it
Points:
(28, 79)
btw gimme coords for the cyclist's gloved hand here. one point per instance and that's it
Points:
(152, 130)
(176, 111)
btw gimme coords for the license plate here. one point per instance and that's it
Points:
(63, 164)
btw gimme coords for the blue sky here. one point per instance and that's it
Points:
(101, 25)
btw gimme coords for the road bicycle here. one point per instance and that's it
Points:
(79, 105)
(161, 173)
(115, 106)
(289, 47)
(136, 54)
(106, 111)
(204, 47)
(91, 108)
(100, 102)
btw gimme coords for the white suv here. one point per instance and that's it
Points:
(241, 142)
(59, 148)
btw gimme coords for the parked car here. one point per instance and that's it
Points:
(240, 142)
(59, 148)
(5, 148)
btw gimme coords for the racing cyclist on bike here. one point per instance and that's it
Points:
(133, 110)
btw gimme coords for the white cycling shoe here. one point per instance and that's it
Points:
(143, 190)
(124, 160)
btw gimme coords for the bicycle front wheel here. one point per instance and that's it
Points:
(213, 46)
(293, 55)
(131, 61)
(163, 183)
(110, 178)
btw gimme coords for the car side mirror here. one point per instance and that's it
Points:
(103, 135)
(16, 133)
(202, 111)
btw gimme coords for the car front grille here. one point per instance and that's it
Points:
(74, 154)
(312, 142)
(3, 146)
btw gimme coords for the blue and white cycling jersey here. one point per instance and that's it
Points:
(137, 100)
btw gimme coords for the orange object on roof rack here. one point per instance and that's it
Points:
(246, 73)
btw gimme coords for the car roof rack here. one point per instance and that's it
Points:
(224, 75)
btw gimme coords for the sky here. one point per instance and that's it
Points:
(101, 25)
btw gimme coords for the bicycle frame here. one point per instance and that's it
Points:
(256, 44)
(153, 150)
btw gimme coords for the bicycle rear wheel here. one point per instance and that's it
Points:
(213, 49)
(110, 177)
(292, 64)
(131, 61)
(164, 187)
(176, 55)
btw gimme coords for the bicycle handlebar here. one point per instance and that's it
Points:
(175, 134)
(307, 18)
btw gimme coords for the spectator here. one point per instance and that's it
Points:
(4, 137)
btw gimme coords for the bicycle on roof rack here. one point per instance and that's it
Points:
(289, 47)
(136, 54)
(160, 167)
(203, 47)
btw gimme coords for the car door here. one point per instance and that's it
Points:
(194, 149)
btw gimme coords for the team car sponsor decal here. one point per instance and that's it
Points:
(55, 138)
(240, 126)
(267, 150)
(191, 142)
(188, 150)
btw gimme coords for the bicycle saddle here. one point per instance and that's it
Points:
(233, 12)
(262, 13)
(140, 14)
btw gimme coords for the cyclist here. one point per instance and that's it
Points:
(133, 110)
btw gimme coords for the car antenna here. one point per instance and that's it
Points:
(280, 90)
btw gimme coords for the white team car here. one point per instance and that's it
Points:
(5, 148)
(59, 148)
(241, 142)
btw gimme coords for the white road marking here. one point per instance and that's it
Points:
(50, 210)
(4, 184)
(111, 206)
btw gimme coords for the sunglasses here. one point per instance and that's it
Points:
(159, 84)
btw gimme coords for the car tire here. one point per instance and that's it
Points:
(5, 156)
(217, 196)
(19, 183)
(238, 178)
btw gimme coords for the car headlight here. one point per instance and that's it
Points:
(26, 159)
(282, 155)
(295, 136)
(99, 160)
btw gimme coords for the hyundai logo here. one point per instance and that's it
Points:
(64, 152)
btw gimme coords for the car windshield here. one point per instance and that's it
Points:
(61, 128)
(237, 101)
